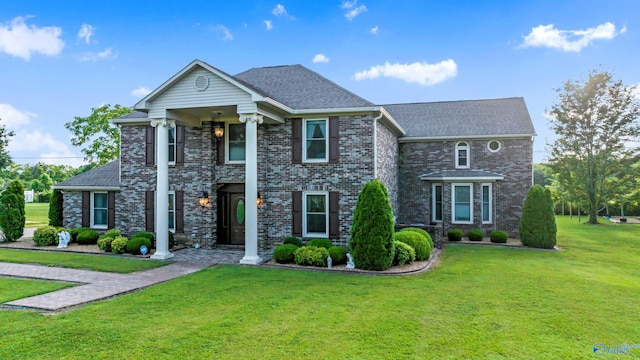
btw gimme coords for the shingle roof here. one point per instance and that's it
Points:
(461, 175)
(464, 118)
(105, 176)
(300, 88)
(135, 115)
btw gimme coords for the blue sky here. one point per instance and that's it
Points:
(59, 59)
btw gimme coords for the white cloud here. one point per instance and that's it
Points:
(140, 91)
(50, 150)
(419, 72)
(102, 55)
(569, 40)
(18, 39)
(279, 10)
(320, 58)
(353, 10)
(268, 25)
(374, 30)
(348, 4)
(86, 32)
(14, 118)
(227, 34)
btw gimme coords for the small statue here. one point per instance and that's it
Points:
(63, 239)
(350, 264)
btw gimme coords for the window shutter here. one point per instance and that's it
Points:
(179, 145)
(149, 210)
(150, 140)
(334, 210)
(297, 213)
(334, 137)
(179, 211)
(219, 149)
(296, 140)
(86, 209)
(111, 222)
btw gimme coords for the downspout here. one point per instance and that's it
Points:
(375, 145)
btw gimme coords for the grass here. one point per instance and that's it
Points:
(37, 214)
(107, 263)
(480, 303)
(14, 289)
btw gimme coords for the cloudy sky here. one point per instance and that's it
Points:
(59, 59)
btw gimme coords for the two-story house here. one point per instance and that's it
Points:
(251, 158)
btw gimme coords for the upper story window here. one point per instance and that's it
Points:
(236, 143)
(99, 210)
(172, 145)
(462, 155)
(316, 141)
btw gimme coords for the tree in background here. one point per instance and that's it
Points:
(55, 208)
(12, 217)
(596, 123)
(99, 139)
(5, 159)
(538, 223)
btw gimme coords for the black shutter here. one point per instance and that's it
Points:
(150, 139)
(179, 211)
(334, 137)
(86, 209)
(179, 145)
(334, 210)
(149, 210)
(111, 222)
(297, 213)
(296, 140)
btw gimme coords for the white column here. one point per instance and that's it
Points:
(251, 189)
(162, 190)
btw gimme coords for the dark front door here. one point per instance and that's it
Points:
(236, 217)
(231, 214)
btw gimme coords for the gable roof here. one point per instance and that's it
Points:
(469, 118)
(105, 177)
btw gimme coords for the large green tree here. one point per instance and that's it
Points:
(5, 159)
(99, 138)
(596, 121)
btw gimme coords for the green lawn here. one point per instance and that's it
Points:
(14, 289)
(480, 303)
(37, 214)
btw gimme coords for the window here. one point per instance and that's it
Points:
(316, 220)
(316, 140)
(236, 143)
(172, 145)
(494, 146)
(436, 202)
(99, 210)
(462, 155)
(172, 211)
(462, 207)
(486, 203)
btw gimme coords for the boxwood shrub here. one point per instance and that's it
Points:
(311, 256)
(338, 255)
(475, 234)
(134, 244)
(45, 236)
(417, 242)
(119, 245)
(454, 234)
(74, 233)
(292, 240)
(104, 243)
(404, 254)
(283, 254)
(498, 236)
(148, 235)
(319, 242)
(87, 237)
(421, 231)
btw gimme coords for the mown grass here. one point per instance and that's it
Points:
(480, 303)
(106, 263)
(36, 214)
(14, 289)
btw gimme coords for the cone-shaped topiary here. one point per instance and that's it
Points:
(538, 224)
(55, 208)
(12, 218)
(371, 242)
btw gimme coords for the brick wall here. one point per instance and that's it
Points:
(387, 162)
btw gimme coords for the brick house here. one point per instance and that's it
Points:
(252, 158)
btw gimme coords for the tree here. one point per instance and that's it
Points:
(596, 123)
(99, 139)
(372, 231)
(5, 159)
(12, 218)
(538, 223)
(55, 208)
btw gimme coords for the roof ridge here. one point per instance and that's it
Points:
(453, 101)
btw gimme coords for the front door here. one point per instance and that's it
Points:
(231, 214)
(236, 217)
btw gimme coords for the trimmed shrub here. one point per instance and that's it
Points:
(475, 234)
(498, 236)
(311, 256)
(404, 254)
(146, 234)
(104, 243)
(283, 254)
(46, 236)
(417, 242)
(119, 245)
(421, 231)
(371, 241)
(12, 218)
(113, 233)
(55, 208)
(338, 255)
(319, 242)
(134, 244)
(538, 223)
(454, 234)
(74, 233)
(87, 237)
(292, 240)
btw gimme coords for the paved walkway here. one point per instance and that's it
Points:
(98, 285)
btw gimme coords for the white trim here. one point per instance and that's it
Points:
(453, 203)
(490, 201)
(467, 148)
(304, 214)
(305, 139)
(462, 178)
(86, 188)
(175, 144)
(457, 137)
(92, 209)
(494, 141)
(226, 144)
(433, 202)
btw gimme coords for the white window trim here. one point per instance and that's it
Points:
(457, 157)
(226, 145)
(490, 186)
(304, 214)
(453, 203)
(93, 224)
(175, 153)
(489, 146)
(304, 141)
(155, 145)
(433, 202)
(172, 193)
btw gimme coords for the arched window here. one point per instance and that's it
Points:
(462, 155)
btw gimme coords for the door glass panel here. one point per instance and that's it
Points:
(240, 211)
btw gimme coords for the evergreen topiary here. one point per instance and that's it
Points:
(498, 236)
(371, 241)
(338, 255)
(45, 236)
(475, 234)
(74, 233)
(319, 242)
(404, 254)
(418, 242)
(12, 218)
(538, 223)
(146, 234)
(134, 244)
(87, 237)
(292, 240)
(55, 208)
(283, 254)
(454, 235)
(421, 231)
